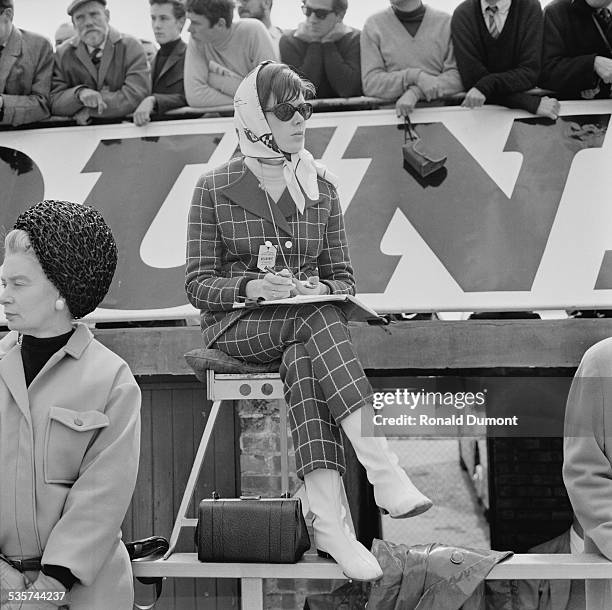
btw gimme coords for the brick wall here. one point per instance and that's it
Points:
(528, 501)
(261, 475)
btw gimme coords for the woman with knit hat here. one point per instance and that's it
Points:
(278, 208)
(69, 419)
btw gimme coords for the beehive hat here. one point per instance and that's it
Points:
(76, 250)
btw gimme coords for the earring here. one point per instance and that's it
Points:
(60, 304)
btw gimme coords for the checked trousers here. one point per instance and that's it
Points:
(322, 377)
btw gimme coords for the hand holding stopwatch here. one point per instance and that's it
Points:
(312, 286)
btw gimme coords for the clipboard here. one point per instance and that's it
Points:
(353, 308)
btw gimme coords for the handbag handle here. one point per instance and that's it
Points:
(409, 132)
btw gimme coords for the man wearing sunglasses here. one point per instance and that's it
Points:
(325, 50)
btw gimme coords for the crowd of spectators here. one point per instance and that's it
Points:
(491, 51)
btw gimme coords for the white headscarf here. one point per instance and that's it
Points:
(255, 138)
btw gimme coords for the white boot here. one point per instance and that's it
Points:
(307, 513)
(394, 492)
(332, 535)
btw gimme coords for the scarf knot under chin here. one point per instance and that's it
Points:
(255, 138)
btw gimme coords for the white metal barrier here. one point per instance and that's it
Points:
(518, 567)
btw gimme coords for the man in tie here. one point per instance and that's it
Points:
(167, 19)
(100, 73)
(497, 46)
(577, 51)
(26, 62)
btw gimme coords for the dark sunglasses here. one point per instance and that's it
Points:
(285, 111)
(320, 13)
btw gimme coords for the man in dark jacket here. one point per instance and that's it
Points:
(99, 73)
(325, 50)
(26, 62)
(168, 90)
(497, 47)
(577, 56)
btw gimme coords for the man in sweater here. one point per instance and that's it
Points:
(261, 9)
(325, 50)
(221, 53)
(168, 91)
(497, 46)
(577, 56)
(407, 55)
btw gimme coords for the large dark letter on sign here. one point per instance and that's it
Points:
(21, 185)
(486, 240)
(137, 175)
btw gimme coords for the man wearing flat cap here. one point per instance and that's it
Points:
(100, 73)
(26, 63)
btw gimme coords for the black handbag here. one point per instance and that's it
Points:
(421, 158)
(251, 530)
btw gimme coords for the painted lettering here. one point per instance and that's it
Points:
(486, 240)
(137, 175)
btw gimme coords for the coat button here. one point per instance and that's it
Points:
(457, 557)
(78, 422)
(288, 245)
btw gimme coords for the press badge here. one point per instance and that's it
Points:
(266, 259)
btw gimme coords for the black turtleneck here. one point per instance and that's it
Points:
(165, 50)
(35, 352)
(411, 20)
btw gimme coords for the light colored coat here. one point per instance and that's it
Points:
(26, 64)
(587, 459)
(69, 448)
(122, 76)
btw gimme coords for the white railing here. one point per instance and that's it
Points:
(518, 567)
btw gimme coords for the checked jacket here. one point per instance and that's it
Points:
(230, 218)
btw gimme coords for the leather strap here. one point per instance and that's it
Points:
(216, 531)
(275, 530)
(24, 565)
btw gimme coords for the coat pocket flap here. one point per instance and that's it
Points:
(80, 421)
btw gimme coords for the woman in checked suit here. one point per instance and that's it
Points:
(278, 208)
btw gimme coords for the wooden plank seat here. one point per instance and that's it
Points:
(517, 567)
